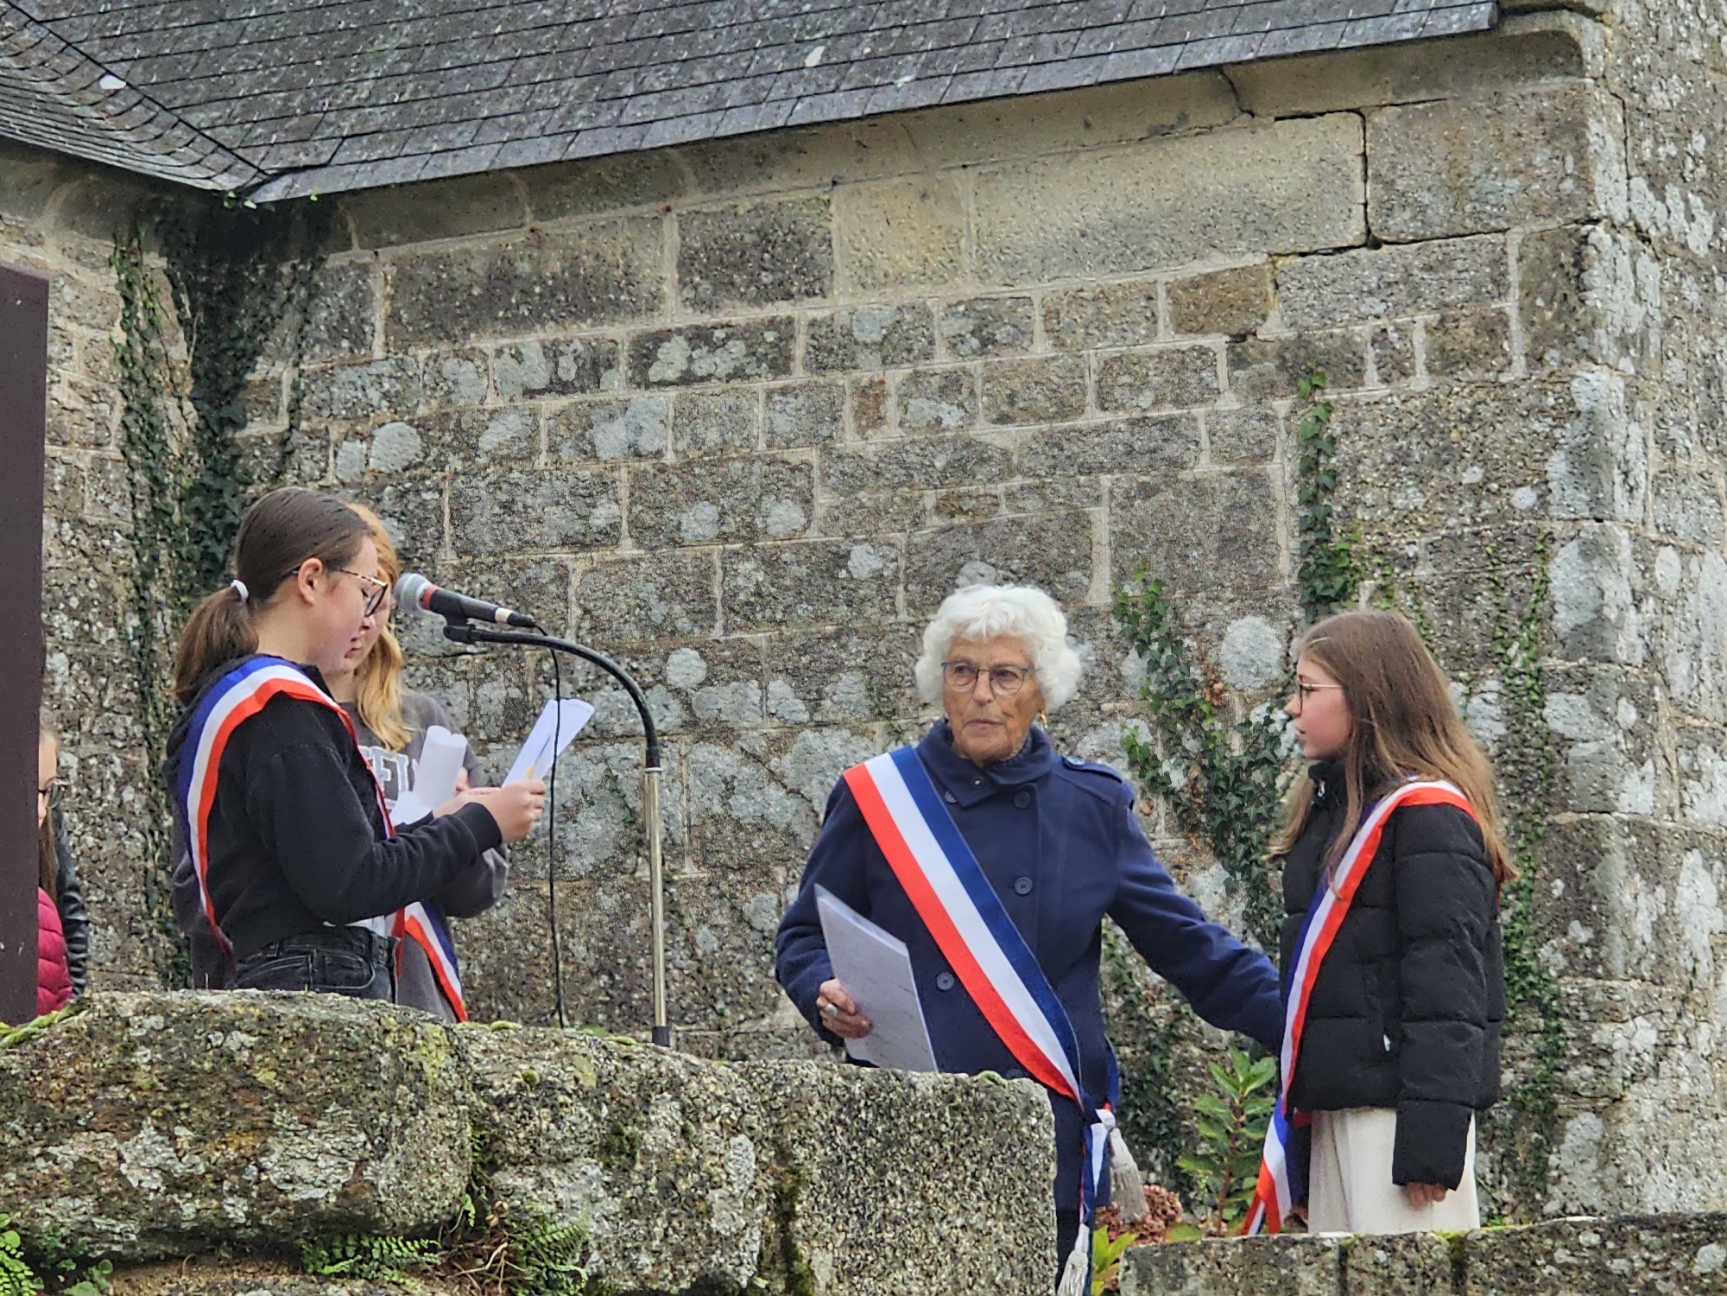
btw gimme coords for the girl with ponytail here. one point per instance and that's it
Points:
(287, 832)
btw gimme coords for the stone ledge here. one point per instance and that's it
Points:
(154, 1126)
(1685, 1255)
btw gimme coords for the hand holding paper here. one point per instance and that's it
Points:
(536, 758)
(875, 968)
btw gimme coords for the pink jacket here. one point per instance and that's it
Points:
(53, 977)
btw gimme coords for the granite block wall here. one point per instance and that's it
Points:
(742, 414)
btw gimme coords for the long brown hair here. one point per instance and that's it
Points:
(1402, 722)
(277, 534)
(47, 856)
(379, 674)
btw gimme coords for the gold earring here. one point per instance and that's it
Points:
(1043, 719)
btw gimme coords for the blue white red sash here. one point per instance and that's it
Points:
(947, 887)
(420, 923)
(1282, 1172)
(230, 702)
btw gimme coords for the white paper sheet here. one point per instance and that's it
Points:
(439, 766)
(875, 968)
(537, 756)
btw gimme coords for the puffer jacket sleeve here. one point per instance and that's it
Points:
(53, 981)
(1446, 899)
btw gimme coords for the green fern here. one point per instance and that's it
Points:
(544, 1258)
(17, 1278)
(354, 1255)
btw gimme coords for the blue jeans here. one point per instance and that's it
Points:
(348, 961)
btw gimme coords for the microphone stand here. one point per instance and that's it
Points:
(467, 632)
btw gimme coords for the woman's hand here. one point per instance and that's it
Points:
(839, 1012)
(1425, 1194)
(516, 807)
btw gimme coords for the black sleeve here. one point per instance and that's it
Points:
(74, 917)
(1445, 903)
(476, 888)
(308, 813)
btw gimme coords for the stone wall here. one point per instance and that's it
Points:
(59, 218)
(742, 414)
(159, 1127)
(1635, 1256)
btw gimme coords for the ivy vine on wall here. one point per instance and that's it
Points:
(237, 278)
(1524, 1127)
(1223, 776)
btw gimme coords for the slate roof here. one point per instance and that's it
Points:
(279, 98)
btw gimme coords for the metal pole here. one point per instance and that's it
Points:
(469, 633)
(656, 900)
(23, 411)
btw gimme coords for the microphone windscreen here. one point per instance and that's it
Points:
(411, 592)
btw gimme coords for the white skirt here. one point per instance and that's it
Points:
(1350, 1188)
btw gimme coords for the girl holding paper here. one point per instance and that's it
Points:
(289, 840)
(391, 724)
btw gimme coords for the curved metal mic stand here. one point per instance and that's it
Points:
(468, 632)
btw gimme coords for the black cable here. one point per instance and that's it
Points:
(552, 836)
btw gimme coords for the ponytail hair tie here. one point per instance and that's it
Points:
(240, 590)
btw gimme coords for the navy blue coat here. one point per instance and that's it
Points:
(1060, 844)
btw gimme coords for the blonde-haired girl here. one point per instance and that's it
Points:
(391, 723)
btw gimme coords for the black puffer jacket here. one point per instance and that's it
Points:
(1408, 1004)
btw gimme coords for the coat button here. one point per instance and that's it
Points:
(1022, 886)
(1022, 800)
(950, 798)
(944, 981)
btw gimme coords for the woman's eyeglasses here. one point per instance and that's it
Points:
(52, 793)
(375, 593)
(1004, 681)
(1304, 690)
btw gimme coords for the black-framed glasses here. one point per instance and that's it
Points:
(375, 594)
(1304, 690)
(52, 793)
(1004, 681)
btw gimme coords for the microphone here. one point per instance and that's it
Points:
(416, 592)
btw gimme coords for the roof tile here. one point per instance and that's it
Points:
(340, 94)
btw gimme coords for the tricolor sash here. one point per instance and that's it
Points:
(1282, 1172)
(956, 902)
(230, 702)
(420, 923)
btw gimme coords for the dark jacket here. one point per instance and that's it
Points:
(69, 900)
(476, 889)
(1059, 842)
(1407, 1006)
(297, 840)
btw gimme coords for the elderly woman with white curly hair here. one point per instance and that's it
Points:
(996, 860)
